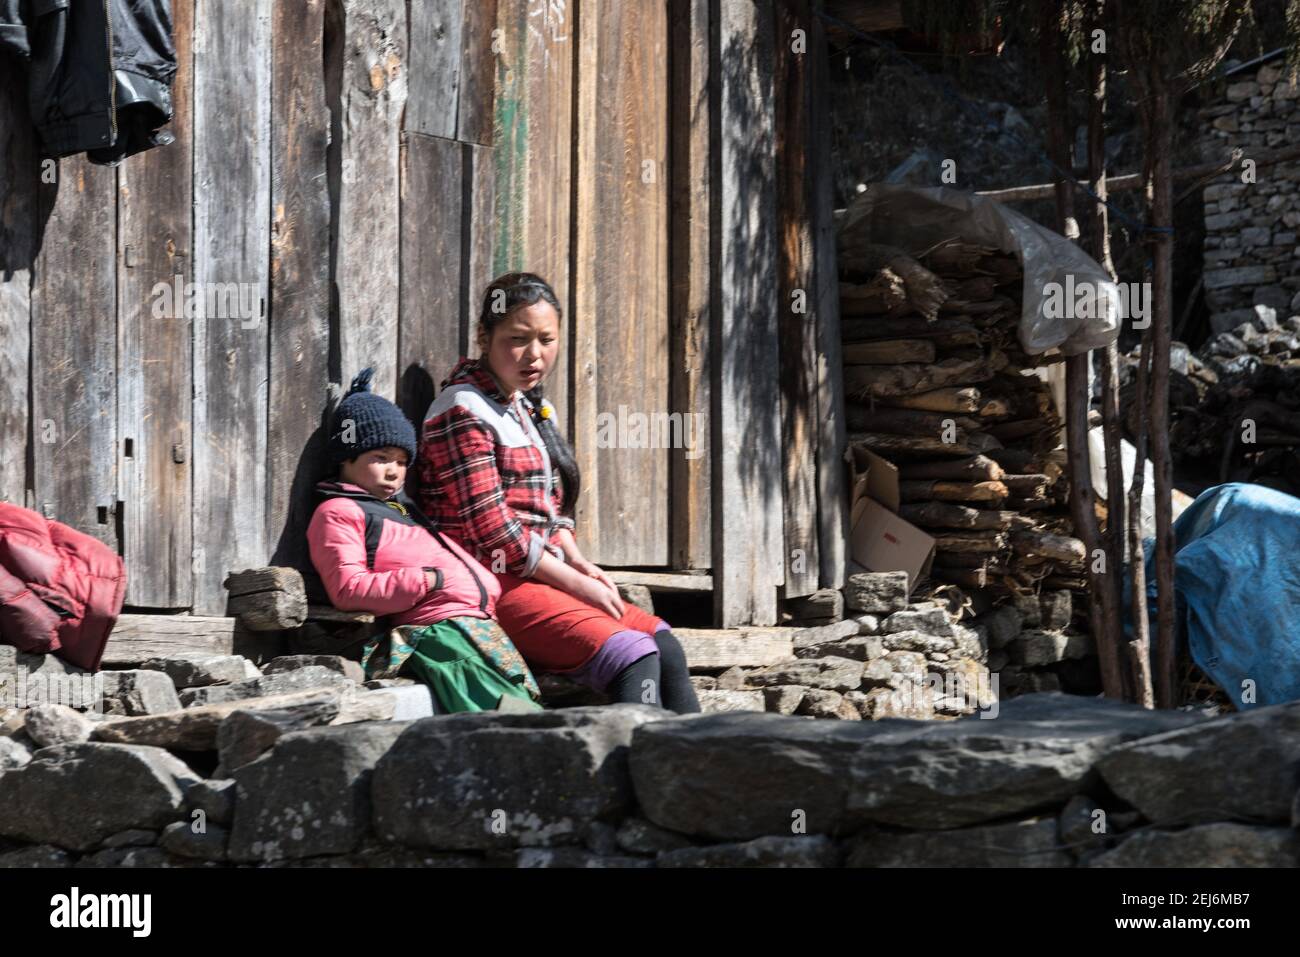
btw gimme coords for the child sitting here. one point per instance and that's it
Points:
(376, 552)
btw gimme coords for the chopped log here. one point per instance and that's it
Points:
(922, 446)
(979, 468)
(1029, 486)
(939, 400)
(974, 542)
(267, 599)
(728, 647)
(914, 491)
(995, 407)
(925, 290)
(884, 294)
(975, 288)
(906, 421)
(1020, 429)
(888, 352)
(956, 258)
(864, 381)
(136, 638)
(1020, 461)
(1048, 545)
(947, 515)
(944, 333)
(965, 577)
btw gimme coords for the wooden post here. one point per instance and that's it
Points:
(745, 422)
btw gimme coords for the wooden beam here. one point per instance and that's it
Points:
(137, 637)
(232, 218)
(690, 536)
(299, 337)
(748, 560)
(729, 647)
(663, 581)
(155, 384)
(18, 218)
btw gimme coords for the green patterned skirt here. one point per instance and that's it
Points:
(469, 664)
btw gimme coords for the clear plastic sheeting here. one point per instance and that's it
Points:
(916, 219)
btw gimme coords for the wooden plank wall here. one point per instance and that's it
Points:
(356, 171)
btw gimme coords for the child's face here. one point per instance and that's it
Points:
(381, 472)
(522, 348)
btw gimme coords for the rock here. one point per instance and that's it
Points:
(409, 703)
(1207, 845)
(1243, 766)
(345, 666)
(877, 593)
(912, 701)
(704, 683)
(310, 794)
(837, 674)
(636, 835)
(133, 837)
(1083, 826)
(1265, 316)
(716, 702)
(905, 667)
(570, 857)
(638, 595)
(75, 795)
(824, 603)
(1275, 297)
(196, 670)
(1030, 609)
(930, 621)
(1039, 752)
(1031, 843)
(51, 724)
(878, 673)
(867, 624)
(821, 703)
(783, 699)
(215, 797)
(301, 679)
(195, 729)
(117, 857)
(917, 641)
(245, 736)
(807, 850)
(13, 754)
(820, 634)
(859, 648)
(519, 779)
(375, 855)
(38, 855)
(187, 839)
(733, 679)
(139, 691)
(363, 704)
(787, 768)
(971, 642)
(1056, 610)
(1036, 648)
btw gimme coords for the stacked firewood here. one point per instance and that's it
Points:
(935, 381)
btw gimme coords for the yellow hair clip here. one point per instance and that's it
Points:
(545, 412)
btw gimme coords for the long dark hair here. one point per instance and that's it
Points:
(502, 296)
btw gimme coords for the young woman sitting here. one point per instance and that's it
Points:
(496, 474)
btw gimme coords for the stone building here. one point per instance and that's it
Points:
(1251, 254)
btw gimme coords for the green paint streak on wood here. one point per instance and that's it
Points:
(511, 120)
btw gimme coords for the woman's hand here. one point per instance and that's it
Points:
(592, 571)
(594, 592)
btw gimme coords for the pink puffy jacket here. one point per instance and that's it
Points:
(372, 554)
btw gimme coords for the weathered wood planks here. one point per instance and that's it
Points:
(620, 276)
(18, 219)
(232, 216)
(748, 564)
(298, 340)
(690, 509)
(154, 339)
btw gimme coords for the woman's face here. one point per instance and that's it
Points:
(521, 350)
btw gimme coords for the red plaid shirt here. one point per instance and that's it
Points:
(488, 491)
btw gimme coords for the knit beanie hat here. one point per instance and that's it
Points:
(364, 421)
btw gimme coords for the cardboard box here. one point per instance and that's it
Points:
(879, 540)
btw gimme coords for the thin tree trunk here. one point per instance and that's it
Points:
(1077, 387)
(1112, 579)
(1164, 678)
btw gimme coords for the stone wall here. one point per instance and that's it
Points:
(1251, 252)
(1052, 781)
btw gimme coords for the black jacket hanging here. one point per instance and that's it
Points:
(99, 73)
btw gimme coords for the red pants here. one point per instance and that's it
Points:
(555, 631)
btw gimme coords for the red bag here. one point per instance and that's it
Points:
(60, 589)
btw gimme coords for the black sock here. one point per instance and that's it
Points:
(675, 677)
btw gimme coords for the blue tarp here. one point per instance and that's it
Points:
(1237, 588)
